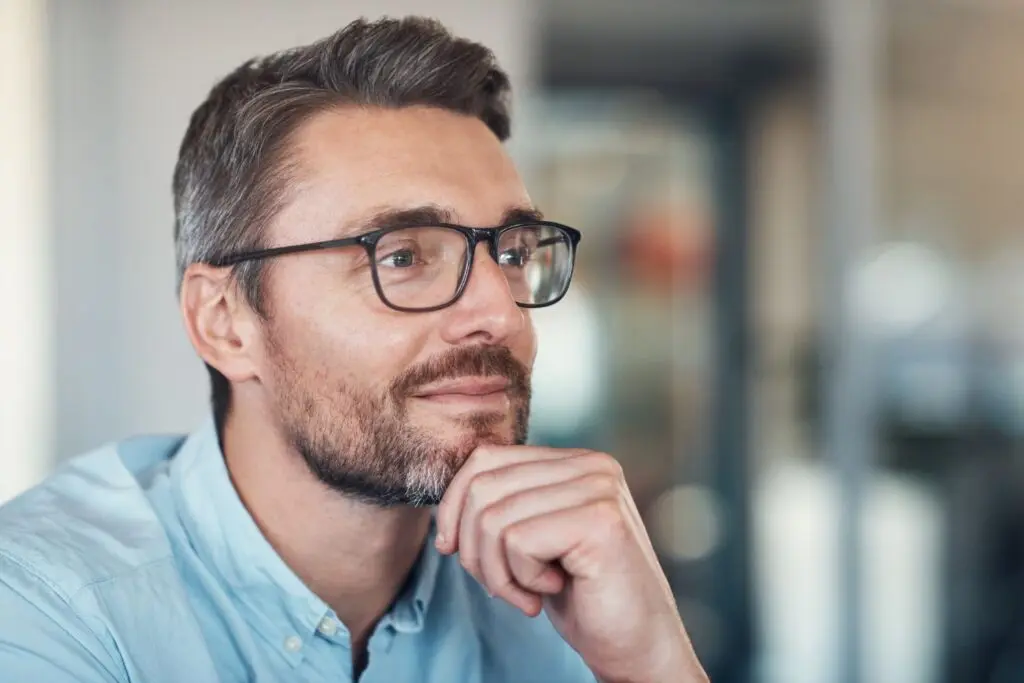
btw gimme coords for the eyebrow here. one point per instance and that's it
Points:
(430, 214)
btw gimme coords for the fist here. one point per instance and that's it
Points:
(558, 530)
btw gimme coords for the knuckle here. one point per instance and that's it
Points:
(505, 587)
(531, 578)
(476, 459)
(473, 496)
(491, 521)
(606, 464)
(508, 591)
(608, 514)
(484, 454)
(480, 452)
(614, 467)
(487, 478)
(607, 484)
(478, 496)
(515, 541)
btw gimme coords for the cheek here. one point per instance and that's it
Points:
(351, 337)
(525, 345)
(341, 337)
(378, 350)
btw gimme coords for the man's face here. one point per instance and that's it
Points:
(387, 405)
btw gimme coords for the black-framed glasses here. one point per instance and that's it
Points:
(426, 268)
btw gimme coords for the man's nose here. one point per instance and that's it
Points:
(486, 311)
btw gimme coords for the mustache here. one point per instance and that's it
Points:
(470, 361)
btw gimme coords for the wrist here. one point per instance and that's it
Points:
(691, 673)
(673, 662)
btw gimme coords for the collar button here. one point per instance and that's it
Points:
(327, 627)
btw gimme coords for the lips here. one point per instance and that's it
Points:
(466, 386)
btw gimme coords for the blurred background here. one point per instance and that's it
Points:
(797, 318)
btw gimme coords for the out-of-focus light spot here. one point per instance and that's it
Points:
(686, 523)
(903, 287)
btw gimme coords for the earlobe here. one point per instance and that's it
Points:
(218, 322)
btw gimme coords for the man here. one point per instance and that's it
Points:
(358, 258)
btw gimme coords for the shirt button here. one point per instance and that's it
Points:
(327, 627)
(293, 643)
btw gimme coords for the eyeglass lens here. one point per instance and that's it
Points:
(419, 268)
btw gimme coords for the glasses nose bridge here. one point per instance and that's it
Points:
(488, 236)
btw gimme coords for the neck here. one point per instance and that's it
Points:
(354, 556)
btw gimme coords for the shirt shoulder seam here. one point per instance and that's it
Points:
(66, 599)
(37, 575)
(118, 575)
(69, 596)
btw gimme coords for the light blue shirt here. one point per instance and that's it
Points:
(138, 562)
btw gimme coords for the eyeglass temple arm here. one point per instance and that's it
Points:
(549, 241)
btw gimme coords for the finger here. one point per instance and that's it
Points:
(489, 487)
(483, 533)
(483, 459)
(492, 486)
(581, 539)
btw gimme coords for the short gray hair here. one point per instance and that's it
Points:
(234, 166)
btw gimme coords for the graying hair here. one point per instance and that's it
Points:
(234, 165)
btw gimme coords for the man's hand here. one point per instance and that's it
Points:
(558, 530)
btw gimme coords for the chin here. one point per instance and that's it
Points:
(468, 438)
(456, 427)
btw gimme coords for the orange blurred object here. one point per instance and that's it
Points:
(667, 247)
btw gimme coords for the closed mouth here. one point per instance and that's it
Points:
(465, 386)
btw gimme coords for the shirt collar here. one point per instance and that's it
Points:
(229, 543)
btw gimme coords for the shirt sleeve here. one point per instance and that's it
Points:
(42, 638)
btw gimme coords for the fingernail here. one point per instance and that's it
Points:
(440, 542)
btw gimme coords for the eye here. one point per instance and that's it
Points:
(400, 258)
(516, 257)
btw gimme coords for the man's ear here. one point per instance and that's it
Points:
(222, 328)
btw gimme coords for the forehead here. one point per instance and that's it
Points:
(353, 162)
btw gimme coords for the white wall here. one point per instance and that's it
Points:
(126, 76)
(25, 297)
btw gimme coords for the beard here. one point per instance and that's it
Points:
(362, 444)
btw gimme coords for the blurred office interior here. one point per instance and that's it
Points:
(798, 318)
